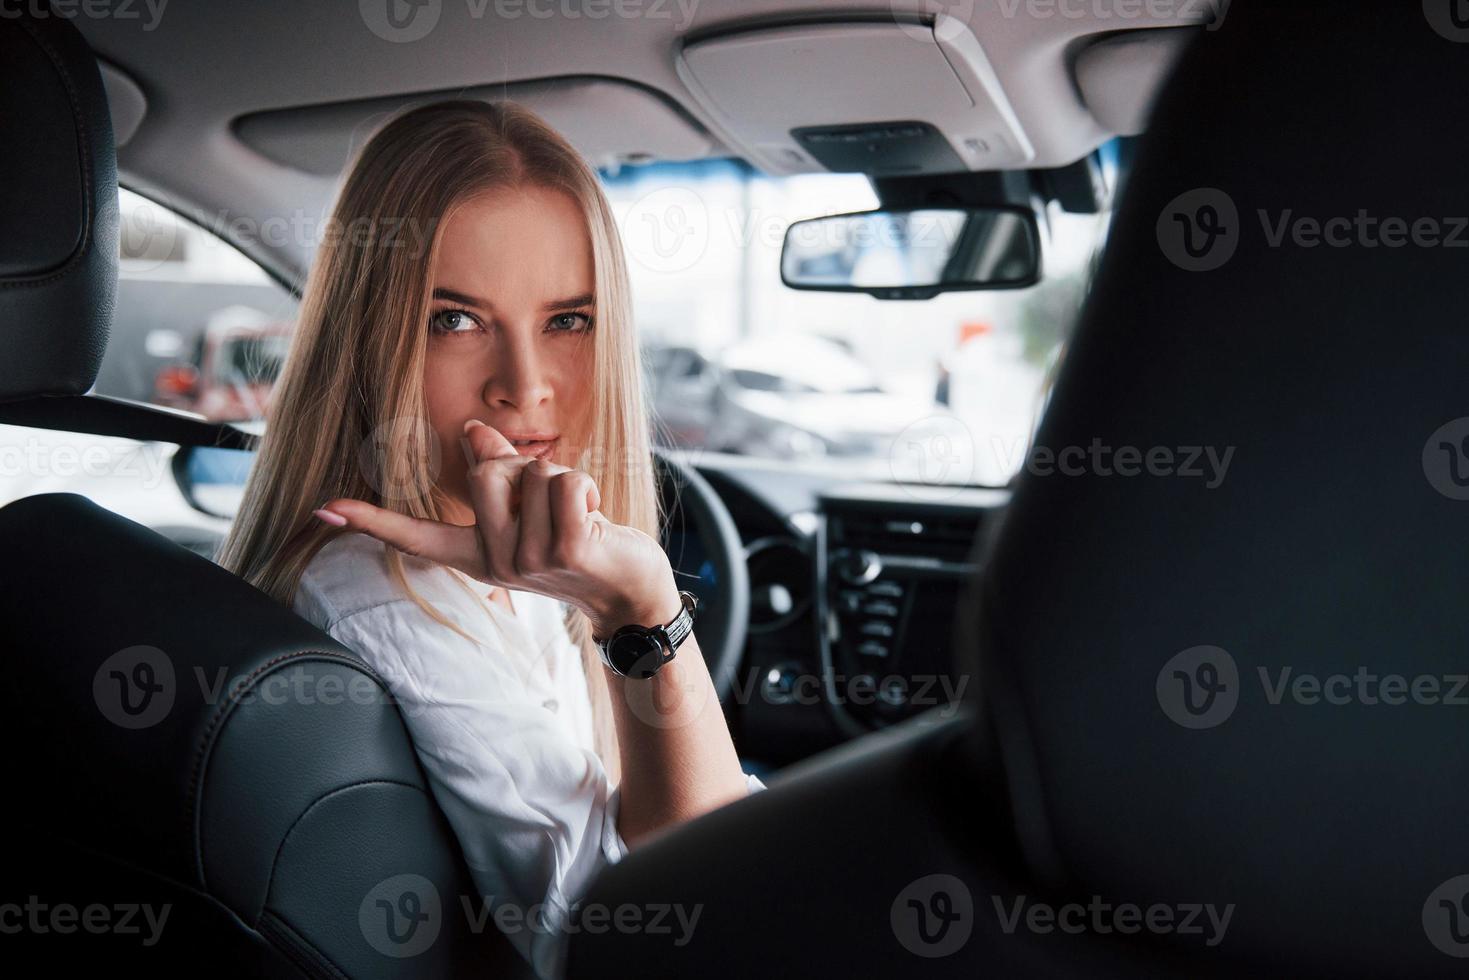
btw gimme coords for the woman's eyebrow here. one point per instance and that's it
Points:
(454, 296)
(570, 303)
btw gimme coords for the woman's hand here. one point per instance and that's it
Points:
(538, 529)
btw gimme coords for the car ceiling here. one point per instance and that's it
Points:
(196, 70)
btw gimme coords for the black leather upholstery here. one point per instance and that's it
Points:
(58, 208)
(1334, 544)
(1326, 549)
(198, 782)
(814, 876)
(265, 789)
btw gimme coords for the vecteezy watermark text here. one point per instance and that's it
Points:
(404, 21)
(933, 917)
(1129, 13)
(1200, 687)
(62, 918)
(402, 916)
(148, 12)
(1104, 918)
(1200, 229)
(1209, 463)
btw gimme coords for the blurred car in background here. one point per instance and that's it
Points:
(782, 397)
(236, 361)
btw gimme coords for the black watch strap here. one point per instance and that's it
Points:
(641, 651)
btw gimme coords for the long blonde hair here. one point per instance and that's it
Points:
(349, 416)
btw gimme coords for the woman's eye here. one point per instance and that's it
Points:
(571, 322)
(452, 321)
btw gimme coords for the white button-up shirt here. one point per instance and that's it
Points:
(502, 727)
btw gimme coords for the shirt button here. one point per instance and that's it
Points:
(550, 705)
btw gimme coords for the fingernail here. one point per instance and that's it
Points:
(471, 423)
(334, 519)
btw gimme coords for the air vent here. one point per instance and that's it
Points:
(948, 536)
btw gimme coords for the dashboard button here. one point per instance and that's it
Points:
(880, 608)
(859, 567)
(890, 589)
(872, 649)
(779, 686)
(876, 628)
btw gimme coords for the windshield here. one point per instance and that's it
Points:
(946, 390)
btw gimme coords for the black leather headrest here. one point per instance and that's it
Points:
(1280, 319)
(58, 208)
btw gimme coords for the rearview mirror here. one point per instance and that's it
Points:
(913, 254)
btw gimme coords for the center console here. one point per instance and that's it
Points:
(893, 564)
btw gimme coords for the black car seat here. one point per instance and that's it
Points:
(197, 781)
(1234, 681)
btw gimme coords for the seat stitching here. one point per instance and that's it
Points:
(286, 837)
(300, 950)
(211, 731)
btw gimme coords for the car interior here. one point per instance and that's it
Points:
(1060, 410)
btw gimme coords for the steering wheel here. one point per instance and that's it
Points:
(708, 559)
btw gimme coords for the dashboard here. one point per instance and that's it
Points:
(854, 592)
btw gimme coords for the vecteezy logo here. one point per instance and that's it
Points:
(401, 915)
(938, 450)
(1199, 687)
(1446, 917)
(134, 688)
(1199, 229)
(943, 19)
(400, 21)
(667, 230)
(386, 469)
(1449, 18)
(933, 916)
(1446, 459)
(149, 237)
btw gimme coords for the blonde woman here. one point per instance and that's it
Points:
(456, 483)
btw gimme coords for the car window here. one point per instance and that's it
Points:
(197, 326)
(941, 390)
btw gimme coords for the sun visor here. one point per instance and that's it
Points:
(810, 97)
(609, 121)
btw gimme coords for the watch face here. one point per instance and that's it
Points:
(636, 654)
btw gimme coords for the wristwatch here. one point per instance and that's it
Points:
(641, 651)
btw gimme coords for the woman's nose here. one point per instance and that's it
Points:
(518, 379)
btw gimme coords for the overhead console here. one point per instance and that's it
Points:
(808, 97)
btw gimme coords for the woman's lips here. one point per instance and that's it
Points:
(540, 448)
